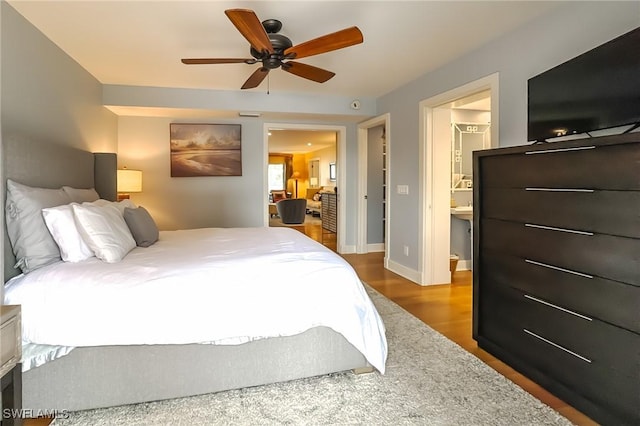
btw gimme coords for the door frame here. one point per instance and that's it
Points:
(341, 161)
(435, 217)
(363, 136)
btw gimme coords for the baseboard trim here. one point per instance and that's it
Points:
(347, 249)
(464, 265)
(375, 248)
(403, 271)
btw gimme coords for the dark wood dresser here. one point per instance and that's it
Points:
(556, 284)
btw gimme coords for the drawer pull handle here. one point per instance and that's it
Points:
(547, 151)
(559, 189)
(535, 299)
(552, 228)
(557, 268)
(556, 345)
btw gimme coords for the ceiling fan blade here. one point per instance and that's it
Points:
(251, 28)
(204, 61)
(327, 43)
(308, 71)
(256, 78)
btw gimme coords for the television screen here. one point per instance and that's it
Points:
(597, 90)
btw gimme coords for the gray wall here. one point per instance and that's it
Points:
(222, 201)
(192, 202)
(46, 96)
(546, 42)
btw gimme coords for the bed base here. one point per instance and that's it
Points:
(96, 377)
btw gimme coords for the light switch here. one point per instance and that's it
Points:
(403, 189)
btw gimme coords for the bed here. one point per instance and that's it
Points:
(120, 360)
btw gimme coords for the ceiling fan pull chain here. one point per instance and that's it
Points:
(268, 84)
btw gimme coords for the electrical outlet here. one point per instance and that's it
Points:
(406, 250)
(403, 189)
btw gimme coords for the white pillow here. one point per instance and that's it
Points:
(32, 243)
(104, 230)
(62, 225)
(120, 205)
(79, 195)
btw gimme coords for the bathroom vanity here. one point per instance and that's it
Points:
(556, 284)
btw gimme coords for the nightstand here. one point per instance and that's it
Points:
(10, 367)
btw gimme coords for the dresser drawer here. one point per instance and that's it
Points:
(613, 392)
(542, 341)
(614, 167)
(605, 256)
(600, 344)
(586, 211)
(610, 301)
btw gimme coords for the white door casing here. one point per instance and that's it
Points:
(434, 188)
(361, 238)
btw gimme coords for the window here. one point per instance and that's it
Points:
(332, 171)
(276, 177)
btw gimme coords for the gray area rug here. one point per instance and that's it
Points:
(429, 381)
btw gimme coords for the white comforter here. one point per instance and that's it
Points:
(213, 285)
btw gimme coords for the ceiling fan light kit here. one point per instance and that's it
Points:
(275, 50)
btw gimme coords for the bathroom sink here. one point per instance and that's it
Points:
(463, 212)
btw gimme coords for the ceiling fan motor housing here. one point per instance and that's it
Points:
(279, 42)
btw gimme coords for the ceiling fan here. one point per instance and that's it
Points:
(275, 50)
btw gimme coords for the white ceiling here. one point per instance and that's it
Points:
(141, 42)
(293, 141)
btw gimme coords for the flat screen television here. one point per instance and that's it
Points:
(597, 90)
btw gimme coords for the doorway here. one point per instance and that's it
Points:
(312, 157)
(374, 142)
(314, 172)
(435, 174)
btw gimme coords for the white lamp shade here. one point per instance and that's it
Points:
(129, 180)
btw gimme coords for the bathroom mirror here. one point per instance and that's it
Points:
(466, 138)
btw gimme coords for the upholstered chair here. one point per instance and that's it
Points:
(292, 210)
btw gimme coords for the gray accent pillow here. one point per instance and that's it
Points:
(142, 226)
(32, 243)
(80, 195)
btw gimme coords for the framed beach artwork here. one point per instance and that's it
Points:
(205, 150)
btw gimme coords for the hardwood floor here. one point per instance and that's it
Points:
(41, 421)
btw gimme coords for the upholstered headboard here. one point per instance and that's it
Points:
(52, 166)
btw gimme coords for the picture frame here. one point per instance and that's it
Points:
(332, 171)
(203, 149)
